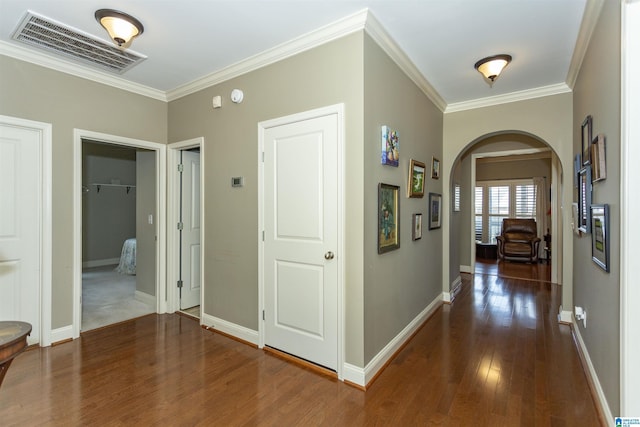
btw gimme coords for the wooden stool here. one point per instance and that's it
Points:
(13, 340)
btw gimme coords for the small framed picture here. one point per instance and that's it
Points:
(584, 199)
(598, 158)
(600, 235)
(388, 218)
(435, 210)
(416, 178)
(390, 147)
(435, 168)
(587, 126)
(417, 227)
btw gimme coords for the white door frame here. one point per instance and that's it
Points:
(337, 109)
(161, 208)
(173, 236)
(556, 246)
(45, 218)
(629, 205)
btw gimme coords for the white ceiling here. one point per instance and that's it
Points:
(187, 40)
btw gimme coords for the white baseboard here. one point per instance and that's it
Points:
(465, 269)
(361, 376)
(353, 374)
(62, 334)
(592, 373)
(565, 316)
(245, 334)
(145, 298)
(447, 297)
(100, 262)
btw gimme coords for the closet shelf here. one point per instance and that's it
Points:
(127, 186)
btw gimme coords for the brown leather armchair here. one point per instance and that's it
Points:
(519, 240)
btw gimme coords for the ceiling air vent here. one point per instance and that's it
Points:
(56, 38)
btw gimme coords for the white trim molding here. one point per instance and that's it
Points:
(78, 70)
(61, 334)
(391, 48)
(466, 269)
(145, 298)
(591, 372)
(45, 217)
(589, 20)
(237, 331)
(565, 316)
(456, 286)
(330, 32)
(629, 205)
(100, 262)
(360, 376)
(506, 98)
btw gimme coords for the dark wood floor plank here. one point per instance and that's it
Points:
(495, 357)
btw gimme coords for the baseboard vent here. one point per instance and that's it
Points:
(59, 39)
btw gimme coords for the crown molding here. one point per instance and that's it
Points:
(330, 32)
(522, 95)
(587, 27)
(68, 67)
(391, 48)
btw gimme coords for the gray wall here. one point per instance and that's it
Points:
(36, 93)
(325, 75)
(145, 232)
(401, 283)
(597, 92)
(108, 216)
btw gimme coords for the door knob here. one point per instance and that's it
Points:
(328, 255)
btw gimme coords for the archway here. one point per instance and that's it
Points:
(507, 155)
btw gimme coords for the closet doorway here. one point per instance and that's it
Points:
(118, 234)
(150, 245)
(185, 241)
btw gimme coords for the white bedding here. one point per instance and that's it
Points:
(128, 258)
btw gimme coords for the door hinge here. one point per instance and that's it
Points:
(263, 157)
(180, 283)
(180, 225)
(180, 168)
(263, 315)
(263, 235)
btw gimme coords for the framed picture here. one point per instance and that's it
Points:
(577, 165)
(575, 221)
(435, 168)
(584, 199)
(388, 218)
(456, 197)
(600, 235)
(416, 179)
(598, 158)
(586, 140)
(417, 227)
(435, 210)
(390, 146)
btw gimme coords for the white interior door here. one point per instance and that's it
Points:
(300, 239)
(20, 226)
(190, 240)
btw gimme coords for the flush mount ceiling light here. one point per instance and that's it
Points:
(492, 66)
(122, 28)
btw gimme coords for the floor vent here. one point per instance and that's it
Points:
(51, 36)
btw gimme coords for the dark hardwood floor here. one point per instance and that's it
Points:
(495, 357)
(538, 272)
